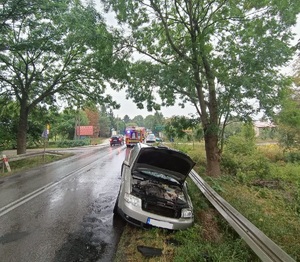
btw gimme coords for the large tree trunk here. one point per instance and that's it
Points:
(22, 130)
(213, 155)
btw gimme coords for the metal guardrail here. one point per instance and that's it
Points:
(23, 156)
(262, 246)
(28, 155)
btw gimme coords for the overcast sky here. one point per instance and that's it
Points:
(128, 107)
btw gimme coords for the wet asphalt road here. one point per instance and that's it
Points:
(63, 210)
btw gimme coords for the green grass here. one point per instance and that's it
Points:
(275, 210)
(31, 162)
(265, 189)
(210, 239)
(34, 161)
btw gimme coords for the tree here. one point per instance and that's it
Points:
(8, 123)
(11, 10)
(177, 126)
(63, 125)
(93, 117)
(126, 119)
(53, 50)
(121, 126)
(288, 121)
(158, 122)
(139, 120)
(105, 123)
(112, 120)
(54, 119)
(296, 66)
(149, 122)
(220, 56)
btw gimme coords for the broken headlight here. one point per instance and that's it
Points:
(186, 213)
(132, 199)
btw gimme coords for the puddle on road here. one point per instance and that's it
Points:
(98, 237)
(11, 237)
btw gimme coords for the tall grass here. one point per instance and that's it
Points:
(247, 184)
(30, 162)
(264, 185)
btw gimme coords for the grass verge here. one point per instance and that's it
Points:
(265, 189)
(210, 239)
(31, 162)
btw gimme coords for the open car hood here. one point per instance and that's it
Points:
(171, 162)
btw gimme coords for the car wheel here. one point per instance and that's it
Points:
(115, 210)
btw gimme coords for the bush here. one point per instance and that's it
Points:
(240, 146)
(242, 158)
(272, 151)
(197, 154)
(73, 143)
(251, 166)
(292, 157)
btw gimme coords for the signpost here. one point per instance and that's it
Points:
(45, 136)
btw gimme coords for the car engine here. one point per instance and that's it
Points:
(160, 198)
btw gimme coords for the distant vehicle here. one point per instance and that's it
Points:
(134, 135)
(116, 140)
(150, 138)
(153, 190)
(158, 139)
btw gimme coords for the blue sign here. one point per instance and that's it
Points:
(45, 133)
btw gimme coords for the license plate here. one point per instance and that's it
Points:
(158, 223)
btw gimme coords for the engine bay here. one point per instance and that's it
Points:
(159, 197)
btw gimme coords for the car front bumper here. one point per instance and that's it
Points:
(136, 216)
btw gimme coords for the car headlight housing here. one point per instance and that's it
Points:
(186, 213)
(131, 199)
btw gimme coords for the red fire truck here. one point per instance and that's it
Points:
(134, 135)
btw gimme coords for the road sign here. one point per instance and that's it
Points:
(159, 127)
(45, 133)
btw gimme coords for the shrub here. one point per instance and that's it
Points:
(271, 151)
(73, 143)
(242, 158)
(196, 152)
(292, 157)
(255, 165)
(240, 146)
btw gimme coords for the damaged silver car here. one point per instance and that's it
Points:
(153, 189)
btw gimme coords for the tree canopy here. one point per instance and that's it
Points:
(53, 51)
(223, 57)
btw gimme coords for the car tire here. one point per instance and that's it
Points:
(115, 210)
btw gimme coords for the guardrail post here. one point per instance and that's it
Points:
(5, 161)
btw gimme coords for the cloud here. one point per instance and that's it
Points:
(128, 107)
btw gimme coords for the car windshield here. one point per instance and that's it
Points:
(157, 175)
